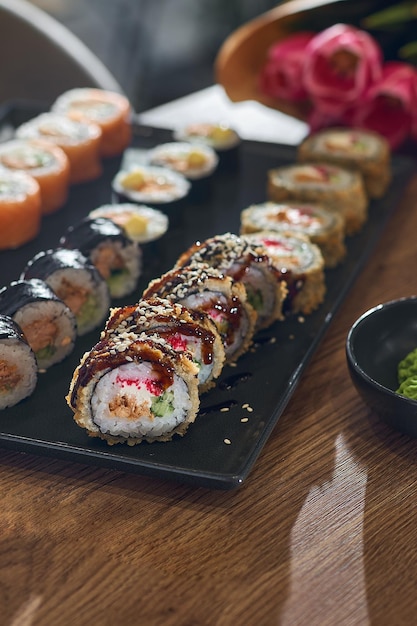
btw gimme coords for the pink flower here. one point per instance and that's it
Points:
(281, 75)
(341, 63)
(389, 104)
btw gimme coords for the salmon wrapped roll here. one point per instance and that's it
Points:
(203, 288)
(46, 163)
(18, 369)
(79, 140)
(109, 110)
(129, 391)
(20, 209)
(185, 330)
(339, 189)
(247, 263)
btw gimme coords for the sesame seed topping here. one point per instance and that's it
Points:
(227, 441)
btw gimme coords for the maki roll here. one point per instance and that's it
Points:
(206, 289)
(337, 188)
(358, 149)
(79, 140)
(322, 226)
(247, 263)
(18, 369)
(300, 262)
(46, 163)
(111, 111)
(117, 258)
(147, 184)
(129, 390)
(20, 209)
(76, 282)
(141, 223)
(220, 137)
(49, 326)
(191, 160)
(184, 329)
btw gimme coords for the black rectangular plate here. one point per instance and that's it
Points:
(219, 449)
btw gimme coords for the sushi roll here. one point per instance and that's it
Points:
(18, 369)
(247, 263)
(141, 223)
(322, 226)
(184, 329)
(46, 163)
(191, 160)
(146, 184)
(129, 391)
(220, 137)
(79, 140)
(20, 209)
(76, 282)
(111, 111)
(203, 288)
(49, 326)
(361, 150)
(300, 262)
(335, 187)
(117, 258)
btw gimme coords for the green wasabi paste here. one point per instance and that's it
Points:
(407, 375)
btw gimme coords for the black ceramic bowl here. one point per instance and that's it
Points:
(376, 343)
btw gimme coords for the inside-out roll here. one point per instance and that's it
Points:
(203, 288)
(185, 330)
(137, 390)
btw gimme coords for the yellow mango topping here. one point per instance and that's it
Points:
(136, 225)
(196, 158)
(133, 180)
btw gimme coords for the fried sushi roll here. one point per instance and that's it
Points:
(322, 226)
(46, 163)
(79, 140)
(20, 209)
(76, 282)
(337, 188)
(111, 111)
(246, 263)
(185, 330)
(105, 244)
(300, 262)
(358, 149)
(126, 391)
(49, 325)
(18, 369)
(203, 288)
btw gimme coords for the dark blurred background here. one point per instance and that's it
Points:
(158, 50)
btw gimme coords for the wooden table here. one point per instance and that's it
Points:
(321, 533)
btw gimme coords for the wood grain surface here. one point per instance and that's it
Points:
(323, 532)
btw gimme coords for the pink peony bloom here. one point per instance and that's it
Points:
(341, 63)
(389, 105)
(281, 75)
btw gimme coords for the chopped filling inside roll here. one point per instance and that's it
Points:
(74, 296)
(137, 181)
(41, 335)
(9, 376)
(132, 401)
